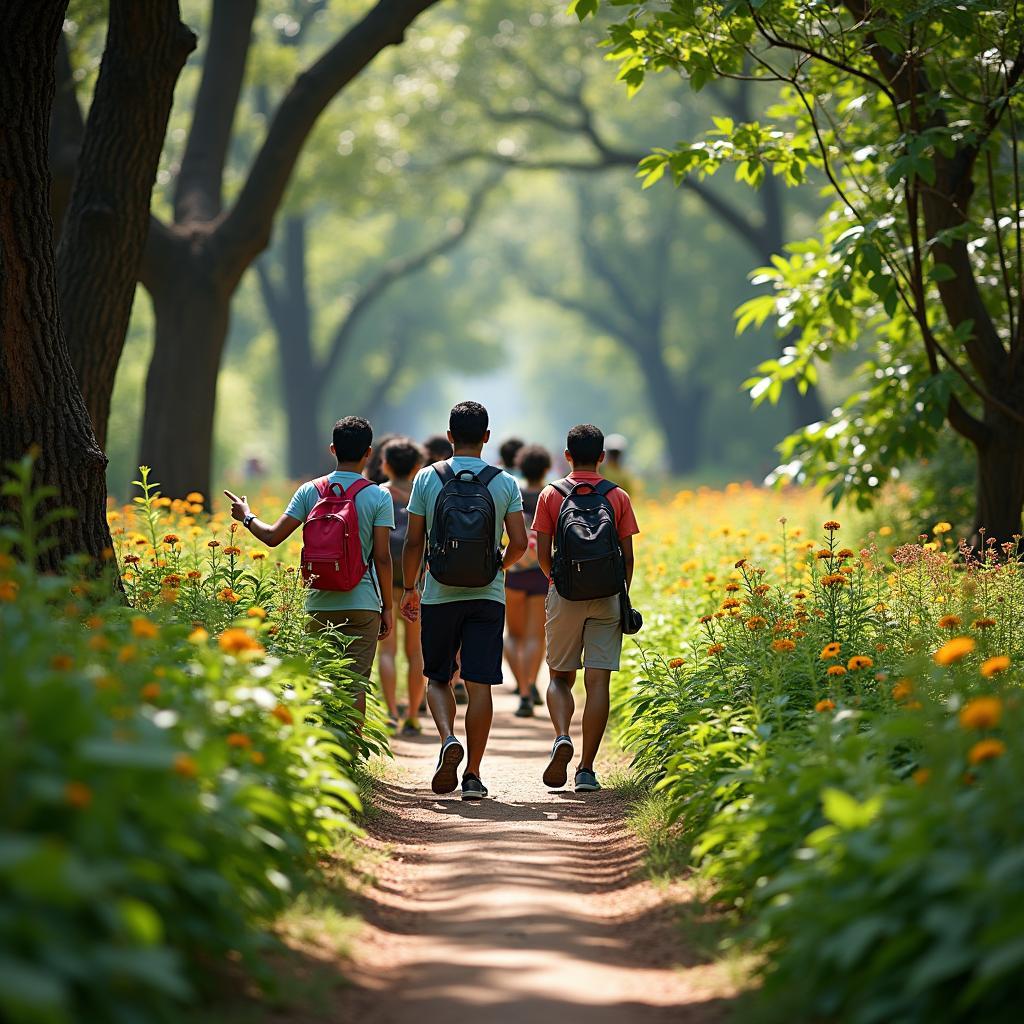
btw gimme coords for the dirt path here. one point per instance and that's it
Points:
(526, 907)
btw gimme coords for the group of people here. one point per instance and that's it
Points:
(419, 510)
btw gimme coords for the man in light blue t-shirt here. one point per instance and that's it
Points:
(464, 623)
(364, 614)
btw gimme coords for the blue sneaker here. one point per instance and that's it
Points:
(556, 773)
(446, 776)
(586, 781)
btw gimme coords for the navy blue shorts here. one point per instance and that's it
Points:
(471, 631)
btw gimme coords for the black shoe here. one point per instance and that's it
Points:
(472, 787)
(586, 781)
(446, 776)
(525, 709)
(556, 773)
(536, 697)
(461, 697)
(422, 709)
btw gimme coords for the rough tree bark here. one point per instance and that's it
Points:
(105, 227)
(40, 402)
(66, 130)
(197, 261)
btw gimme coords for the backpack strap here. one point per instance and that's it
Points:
(322, 485)
(444, 471)
(563, 486)
(487, 474)
(605, 487)
(354, 488)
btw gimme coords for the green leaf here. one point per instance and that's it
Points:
(843, 810)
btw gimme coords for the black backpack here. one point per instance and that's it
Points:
(462, 551)
(587, 561)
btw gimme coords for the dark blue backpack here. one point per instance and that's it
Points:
(587, 561)
(462, 550)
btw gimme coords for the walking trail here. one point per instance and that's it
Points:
(528, 907)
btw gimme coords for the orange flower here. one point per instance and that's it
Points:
(185, 766)
(194, 574)
(783, 646)
(731, 588)
(832, 526)
(150, 691)
(78, 795)
(132, 559)
(257, 613)
(228, 595)
(8, 590)
(949, 622)
(830, 651)
(922, 775)
(983, 623)
(282, 714)
(981, 713)
(716, 649)
(825, 705)
(676, 663)
(844, 553)
(258, 556)
(232, 551)
(126, 653)
(143, 628)
(986, 750)
(994, 665)
(836, 670)
(213, 543)
(235, 641)
(834, 580)
(756, 622)
(62, 662)
(171, 539)
(198, 635)
(238, 740)
(194, 497)
(902, 689)
(954, 650)
(257, 757)
(859, 661)
(93, 622)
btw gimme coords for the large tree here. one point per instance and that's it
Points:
(911, 109)
(40, 403)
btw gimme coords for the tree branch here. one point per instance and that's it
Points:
(197, 194)
(246, 229)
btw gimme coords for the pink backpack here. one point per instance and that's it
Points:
(332, 553)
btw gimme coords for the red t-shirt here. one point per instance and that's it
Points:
(550, 503)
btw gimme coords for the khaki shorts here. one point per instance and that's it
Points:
(582, 634)
(364, 629)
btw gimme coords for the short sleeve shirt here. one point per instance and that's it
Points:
(374, 508)
(507, 498)
(550, 503)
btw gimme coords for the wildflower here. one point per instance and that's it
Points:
(761, 589)
(739, 565)
(783, 646)
(258, 556)
(902, 689)
(150, 691)
(78, 795)
(235, 641)
(185, 766)
(227, 594)
(756, 622)
(143, 628)
(954, 650)
(716, 649)
(949, 622)
(238, 740)
(127, 653)
(798, 634)
(922, 775)
(94, 622)
(885, 531)
(830, 651)
(844, 553)
(994, 665)
(859, 661)
(258, 757)
(198, 636)
(171, 539)
(62, 662)
(731, 588)
(986, 750)
(833, 580)
(983, 623)
(823, 554)
(233, 551)
(704, 618)
(730, 602)
(132, 559)
(825, 705)
(677, 663)
(710, 577)
(799, 596)
(213, 543)
(257, 613)
(282, 714)
(940, 528)
(195, 498)
(172, 579)
(836, 670)
(194, 574)
(981, 713)
(881, 647)
(832, 526)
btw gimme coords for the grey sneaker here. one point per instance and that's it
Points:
(446, 776)
(586, 781)
(525, 709)
(556, 773)
(472, 787)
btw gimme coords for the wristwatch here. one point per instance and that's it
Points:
(247, 520)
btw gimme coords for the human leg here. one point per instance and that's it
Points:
(595, 713)
(480, 660)
(388, 668)
(416, 680)
(515, 622)
(533, 645)
(478, 723)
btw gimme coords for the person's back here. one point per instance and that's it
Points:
(462, 495)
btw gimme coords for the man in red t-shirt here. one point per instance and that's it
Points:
(581, 634)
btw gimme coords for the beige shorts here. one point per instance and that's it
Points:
(362, 626)
(582, 634)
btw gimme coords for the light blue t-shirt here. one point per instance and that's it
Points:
(505, 492)
(375, 508)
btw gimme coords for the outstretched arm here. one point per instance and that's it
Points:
(270, 534)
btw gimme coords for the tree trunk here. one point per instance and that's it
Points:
(192, 314)
(66, 131)
(40, 403)
(1000, 481)
(678, 409)
(106, 224)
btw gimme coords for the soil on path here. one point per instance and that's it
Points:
(527, 907)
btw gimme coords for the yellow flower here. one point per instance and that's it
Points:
(949, 622)
(986, 750)
(836, 670)
(994, 665)
(257, 613)
(78, 795)
(185, 766)
(198, 636)
(830, 651)
(143, 628)
(859, 661)
(940, 528)
(954, 650)
(981, 713)
(235, 641)
(885, 531)
(902, 689)
(195, 498)
(825, 705)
